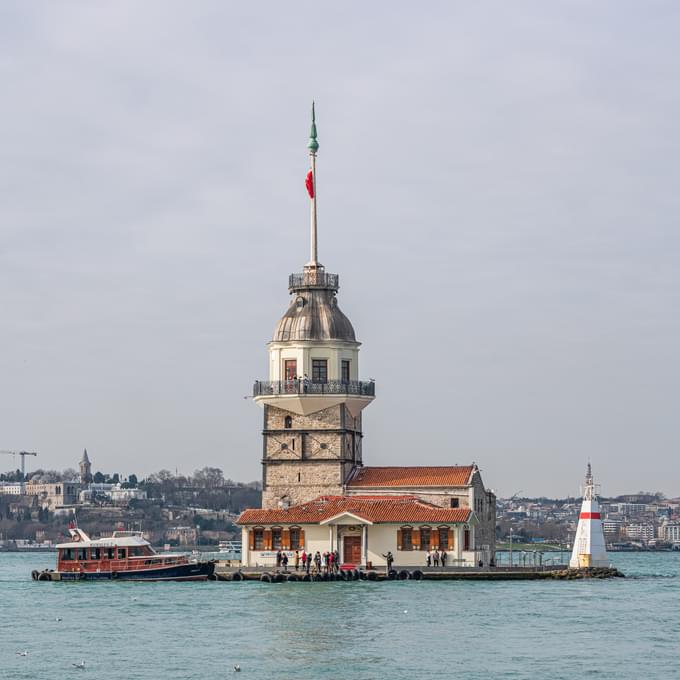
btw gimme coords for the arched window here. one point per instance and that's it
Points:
(288, 422)
(405, 538)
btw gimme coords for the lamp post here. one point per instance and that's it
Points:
(511, 530)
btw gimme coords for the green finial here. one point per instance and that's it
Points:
(313, 144)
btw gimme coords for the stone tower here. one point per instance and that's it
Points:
(85, 469)
(313, 398)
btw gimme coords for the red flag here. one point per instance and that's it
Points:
(309, 183)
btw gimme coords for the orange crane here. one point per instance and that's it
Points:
(23, 455)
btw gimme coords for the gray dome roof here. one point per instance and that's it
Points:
(314, 315)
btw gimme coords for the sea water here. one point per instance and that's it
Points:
(619, 628)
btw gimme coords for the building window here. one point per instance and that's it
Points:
(290, 369)
(288, 422)
(295, 538)
(425, 534)
(276, 539)
(258, 540)
(406, 538)
(444, 538)
(319, 370)
(284, 447)
(454, 502)
(344, 371)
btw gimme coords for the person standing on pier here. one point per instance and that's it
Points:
(389, 559)
(297, 560)
(443, 557)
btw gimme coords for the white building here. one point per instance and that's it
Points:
(640, 532)
(670, 532)
(11, 488)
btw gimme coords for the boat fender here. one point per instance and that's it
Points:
(371, 576)
(318, 577)
(392, 574)
(45, 576)
(114, 574)
(307, 577)
(237, 576)
(34, 574)
(278, 578)
(292, 577)
(403, 575)
(266, 578)
(355, 574)
(417, 575)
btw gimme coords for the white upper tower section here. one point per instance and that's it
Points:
(314, 353)
(589, 546)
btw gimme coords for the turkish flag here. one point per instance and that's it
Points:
(309, 183)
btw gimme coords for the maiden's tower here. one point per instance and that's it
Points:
(316, 492)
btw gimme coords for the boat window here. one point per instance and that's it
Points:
(121, 553)
(136, 551)
(82, 554)
(67, 554)
(109, 553)
(96, 553)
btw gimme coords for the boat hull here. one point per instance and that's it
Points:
(193, 571)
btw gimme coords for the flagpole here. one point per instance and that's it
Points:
(313, 147)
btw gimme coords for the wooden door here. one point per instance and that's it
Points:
(352, 549)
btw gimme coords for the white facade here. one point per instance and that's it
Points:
(11, 488)
(642, 532)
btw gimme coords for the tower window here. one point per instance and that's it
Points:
(290, 369)
(319, 370)
(454, 502)
(284, 447)
(344, 371)
(288, 422)
(323, 445)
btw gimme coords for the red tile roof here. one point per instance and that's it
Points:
(377, 509)
(441, 475)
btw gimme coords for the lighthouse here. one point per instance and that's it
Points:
(589, 547)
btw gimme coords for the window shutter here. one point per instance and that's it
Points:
(451, 546)
(415, 538)
(434, 539)
(399, 539)
(302, 539)
(285, 539)
(267, 539)
(251, 539)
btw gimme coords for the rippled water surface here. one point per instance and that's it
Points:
(624, 628)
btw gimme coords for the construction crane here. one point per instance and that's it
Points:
(23, 455)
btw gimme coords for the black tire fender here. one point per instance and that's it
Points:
(417, 575)
(266, 577)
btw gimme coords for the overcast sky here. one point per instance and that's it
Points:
(498, 190)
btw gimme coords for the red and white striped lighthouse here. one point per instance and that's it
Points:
(589, 546)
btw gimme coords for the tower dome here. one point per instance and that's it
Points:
(313, 313)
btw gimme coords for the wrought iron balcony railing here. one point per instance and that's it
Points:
(263, 388)
(314, 279)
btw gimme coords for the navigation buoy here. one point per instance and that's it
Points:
(589, 546)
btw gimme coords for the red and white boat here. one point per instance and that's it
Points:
(125, 556)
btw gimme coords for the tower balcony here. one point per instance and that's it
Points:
(313, 278)
(308, 396)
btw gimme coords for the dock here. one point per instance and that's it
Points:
(225, 572)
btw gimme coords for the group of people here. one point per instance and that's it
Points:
(435, 558)
(315, 563)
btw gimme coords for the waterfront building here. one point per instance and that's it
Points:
(316, 492)
(589, 546)
(640, 532)
(670, 532)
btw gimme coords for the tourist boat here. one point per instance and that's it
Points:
(125, 556)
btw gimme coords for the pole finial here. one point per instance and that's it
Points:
(313, 145)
